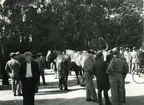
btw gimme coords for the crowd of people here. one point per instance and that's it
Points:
(110, 69)
(24, 70)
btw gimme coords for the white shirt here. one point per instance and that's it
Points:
(134, 56)
(105, 53)
(28, 70)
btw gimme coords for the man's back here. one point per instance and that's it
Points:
(12, 66)
(100, 67)
(118, 67)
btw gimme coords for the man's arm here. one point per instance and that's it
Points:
(7, 67)
(37, 71)
(110, 66)
(21, 74)
(125, 69)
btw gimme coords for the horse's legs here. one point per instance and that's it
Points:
(77, 73)
(65, 82)
(60, 84)
(51, 66)
(56, 74)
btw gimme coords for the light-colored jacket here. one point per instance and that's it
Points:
(12, 67)
(134, 57)
(87, 62)
(118, 67)
(127, 56)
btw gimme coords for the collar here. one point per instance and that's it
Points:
(28, 62)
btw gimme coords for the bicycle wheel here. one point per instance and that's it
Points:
(138, 76)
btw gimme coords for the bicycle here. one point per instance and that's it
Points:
(138, 75)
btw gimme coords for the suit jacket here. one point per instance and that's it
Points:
(34, 68)
(100, 67)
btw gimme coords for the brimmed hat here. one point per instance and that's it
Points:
(134, 48)
(12, 54)
(28, 54)
(17, 53)
(85, 51)
(115, 50)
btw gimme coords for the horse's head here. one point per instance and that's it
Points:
(50, 57)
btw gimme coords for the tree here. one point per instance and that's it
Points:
(76, 24)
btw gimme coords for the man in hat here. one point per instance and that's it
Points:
(87, 65)
(117, 69)
(103, 84)
(41, 63)
(29, 76)
(12, 67)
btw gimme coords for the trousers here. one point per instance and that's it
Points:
(43, 77)
(116, 91)
(90, 89)
(28, 89)
(15, 84)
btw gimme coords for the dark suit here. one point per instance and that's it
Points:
(29, 84)
(103, 84)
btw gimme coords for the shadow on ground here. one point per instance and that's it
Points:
(5, 87)
(57, 91)
(135, 100)
(50, 85)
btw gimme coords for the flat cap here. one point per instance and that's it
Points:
(28, 53)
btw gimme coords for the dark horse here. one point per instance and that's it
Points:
(62, 66)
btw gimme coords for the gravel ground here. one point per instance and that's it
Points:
(51, 95)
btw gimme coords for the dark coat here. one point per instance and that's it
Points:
(35, 71)
(100, 67)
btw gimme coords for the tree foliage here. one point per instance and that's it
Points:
(76, 24)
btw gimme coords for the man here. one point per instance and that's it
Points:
(87, 65)
(29, 76)
(117, 69)
(134, 60)
(41, 63)
(12, 67)
(127, 56)
(103, 84)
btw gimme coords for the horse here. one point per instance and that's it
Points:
(78, 61)
(62, 62)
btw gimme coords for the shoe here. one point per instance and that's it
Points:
(89, 100)
(19, 94)
(44, 84)
(109, 103)
(124, 101)
(14, 94)
(95, 101)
